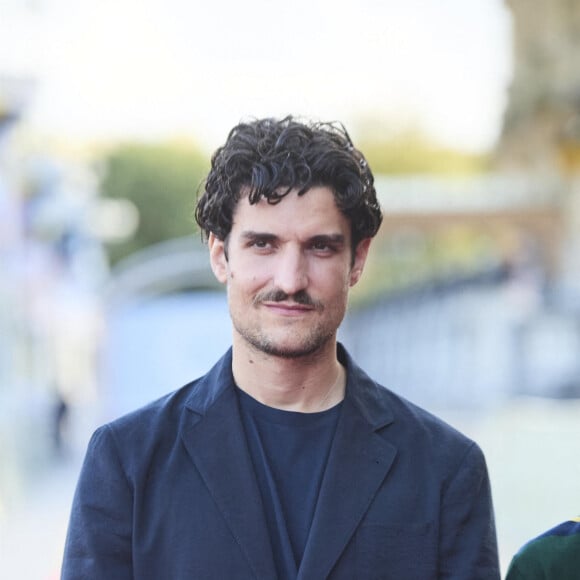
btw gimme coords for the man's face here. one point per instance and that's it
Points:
(288, 271)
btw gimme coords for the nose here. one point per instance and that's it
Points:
(291, 273)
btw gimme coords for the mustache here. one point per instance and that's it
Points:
(301, 297)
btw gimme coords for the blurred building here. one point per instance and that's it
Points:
(542, 120)
(541, 132)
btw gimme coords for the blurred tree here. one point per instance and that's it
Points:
(161, 179)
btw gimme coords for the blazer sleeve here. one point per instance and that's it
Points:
(468, 541)
(98, 543)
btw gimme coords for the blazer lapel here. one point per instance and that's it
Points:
(358, 464)
(217, 445)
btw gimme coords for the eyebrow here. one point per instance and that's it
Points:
(331, 239)
(252, 235)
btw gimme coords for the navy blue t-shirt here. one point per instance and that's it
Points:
(289, 451)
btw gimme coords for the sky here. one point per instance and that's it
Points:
(147, 69)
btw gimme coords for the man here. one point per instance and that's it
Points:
(285, 460)
(554, 555)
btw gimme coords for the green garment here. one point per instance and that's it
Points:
(555, 555)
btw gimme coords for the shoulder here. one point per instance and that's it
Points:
(136, 435)
(417, 433)
(556, 552)
(380, 405)
(157, 426)
(428, 434)
(423, 422)
(155, 415)
(165, 413)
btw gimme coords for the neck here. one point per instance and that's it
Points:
(305, 384)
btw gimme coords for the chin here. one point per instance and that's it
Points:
(286, 347)
(289, 352)
(289, 349)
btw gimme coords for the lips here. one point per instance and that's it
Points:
(291, 309)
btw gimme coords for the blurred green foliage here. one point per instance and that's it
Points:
(410, 152)
(413, 259)
(162, 180)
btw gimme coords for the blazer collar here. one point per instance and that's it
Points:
(211, 386)
(364, 393)
(361, 390)
(214, 438)
(359, 453)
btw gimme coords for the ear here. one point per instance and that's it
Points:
(217, 258)
(360, 257)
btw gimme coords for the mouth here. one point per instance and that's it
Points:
(288, 308)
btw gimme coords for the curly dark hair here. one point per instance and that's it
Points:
(267, 158)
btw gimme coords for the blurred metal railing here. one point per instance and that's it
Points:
(467, 342)
(175, 265)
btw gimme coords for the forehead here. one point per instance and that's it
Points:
(313, 213)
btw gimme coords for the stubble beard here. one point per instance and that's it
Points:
(315, 340)
(311, 342)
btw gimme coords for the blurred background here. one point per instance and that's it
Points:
(469, 114)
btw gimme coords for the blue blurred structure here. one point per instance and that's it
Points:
(467, 342)
(157, 345)
(166, 320)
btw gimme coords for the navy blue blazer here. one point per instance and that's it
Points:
(168, 493)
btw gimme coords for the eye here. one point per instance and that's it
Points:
(320, 246)
(323, 247)
(260, 244)
(326, 245)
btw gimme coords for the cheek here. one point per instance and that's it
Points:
(247, 278)
(254, 271)
(335, 283)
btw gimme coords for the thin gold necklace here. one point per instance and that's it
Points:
(331, 389)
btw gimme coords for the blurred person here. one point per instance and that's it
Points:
(554, 555)
(59, 423)
(286, 460)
